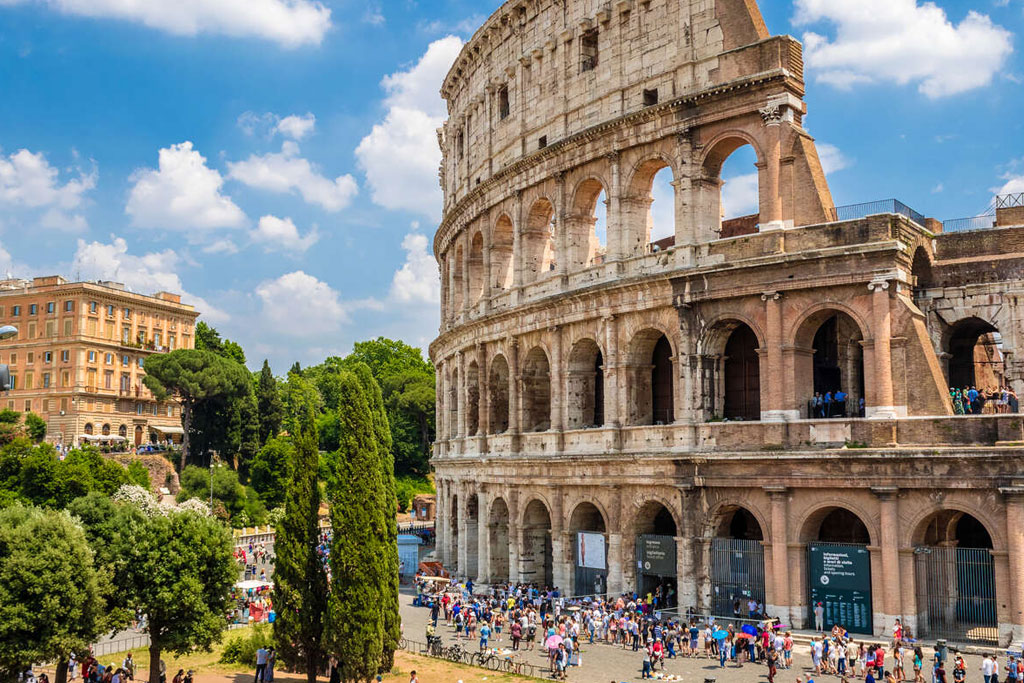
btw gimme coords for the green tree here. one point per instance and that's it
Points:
(268, 402)
(50, 601)
(301, 398)
(241, 503)
(36, 427)
(300, 580)
(194, 376)
(178, 571)
(8, 416)
(354, 490)
(139, 475)
(270, 471)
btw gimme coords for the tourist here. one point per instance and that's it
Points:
(987, 668)
(412, 677)
(648, 669)
(773, 661)
(129, 666)
(271, 659)
(261, 666)
(819, 617)
(485, 633)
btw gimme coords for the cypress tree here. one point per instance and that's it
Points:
(300, 579)
(269, 408)
(388, 527)
(354, 490)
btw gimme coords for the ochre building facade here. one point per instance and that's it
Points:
(79, 358)
(652, 398)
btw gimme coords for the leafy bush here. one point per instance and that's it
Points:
(10, 417)
(241, 649)
(139, 475)
(232, 501)
(35, 426)
(407, 487)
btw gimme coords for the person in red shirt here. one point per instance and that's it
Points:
(880, 663)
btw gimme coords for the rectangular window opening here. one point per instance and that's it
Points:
(588, 50)
(650, 97)
(543, 142)
(503, 104)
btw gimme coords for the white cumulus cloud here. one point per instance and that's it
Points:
(289, 23)
(418, 280)
(281, 233)
(299, 305)
(831, 157)
(28, 181)
(147, 273)
(296, 127)
(269, 124)
(183, 194)
(287, 172)
(407, 135)
(902, 42)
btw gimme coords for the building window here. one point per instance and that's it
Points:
(92, 356)
(126, 335)
(48, 357)
(542, 142)
(109, 359)
(127, 314)
(65, 356)
(503, 104)
(51, 307)
(51, 328)
(15, 311)
(126, 360)
(28, 405)
(93, 306)
(108, 379)
(65, 379)
(588, 50)
(110, 311)
(170, 411)
(31, 357)
(14, 383)
(157, 338)
(69, 327)
(126, 382)
(138, 409)
(138, 361)
(170, 341)
(69, 306)
(14, 359)
(33, 309)
(63, 405)
(46, 380)
(154, 410)
(650, 97)
(29, 377)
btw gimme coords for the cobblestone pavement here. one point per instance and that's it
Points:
(603, 663)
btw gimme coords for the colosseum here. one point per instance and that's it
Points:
(624, 411)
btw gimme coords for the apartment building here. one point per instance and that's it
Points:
(80, 355)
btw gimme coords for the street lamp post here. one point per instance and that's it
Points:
(211, 486)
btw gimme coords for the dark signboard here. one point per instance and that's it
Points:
(656, 555)
(840, 578)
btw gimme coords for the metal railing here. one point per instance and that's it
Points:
(854, 211)
(969, 224)
(120, 645)
(1009, 201)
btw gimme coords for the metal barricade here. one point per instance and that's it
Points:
(737, 574)
(956, 594)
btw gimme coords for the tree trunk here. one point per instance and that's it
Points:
(61, 674)
(154, 661)
(186, 425)
(311, 668)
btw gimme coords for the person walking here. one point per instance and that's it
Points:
(773, 662)
(261, 666)
(819, 617)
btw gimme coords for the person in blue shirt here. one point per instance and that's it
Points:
(485, 634)
(828, 403)
(840, 398)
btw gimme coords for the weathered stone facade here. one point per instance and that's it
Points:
(582, 386)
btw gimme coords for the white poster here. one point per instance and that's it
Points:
(590, 550)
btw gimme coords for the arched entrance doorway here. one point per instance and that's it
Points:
(590, 554)
(955, 579)
(536, 391)
(737, 564)
(650, 372)
(742, 376)
(138, 435)
(497, 538)
(656, 531)
(839, 570)
(976, 355)
(535, 559)
(472, 399)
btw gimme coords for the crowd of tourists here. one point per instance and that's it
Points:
(972, 401)
(834, 404)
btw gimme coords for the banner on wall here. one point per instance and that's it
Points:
(590, 550)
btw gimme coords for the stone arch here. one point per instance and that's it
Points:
(105, 431)
(737, 566)
(535, 556)
(453, 404)
(585, 385)
(88, 428)
(723, 521)
(536, 393)
(636, 216)
(539, 249)
(453, 529)
(829, 357)
(498, 400)
(813, 525)
(585, 246)
(975, 353)
(645, 512)
(588, 516)
(717, 330)
(498, 540)
(476, 267)
(123, 431)
(650, 370)
(921, 271)
(709, 208)
(919, 523)
(502, 240)
(472, 398)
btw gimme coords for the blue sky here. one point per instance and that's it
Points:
(276, 161)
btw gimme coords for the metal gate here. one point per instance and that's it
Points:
(737, 573)
(956, 594)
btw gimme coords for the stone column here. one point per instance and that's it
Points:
(517, 243)
(561, 229)
(778, 603)
(440, 405)
(888, 497)
(615, 581)
(1014, 496)
(686, 570)
(460, 396)
(557, 381)
(560, 544)
(483, 543)
(443, 272)
(611, 372)
(514, 540)
(774, 409)
(462, 552)
(882, 407)
(771, 197)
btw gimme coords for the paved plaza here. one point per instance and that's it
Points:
(603, 662)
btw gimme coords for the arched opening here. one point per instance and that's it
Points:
(536, 391)
(453, 533)
(539, 242)
(472, 399)
(955, 579)
(742, 375)
(457, 281)
(472, 569)
(651, 372)
(921, 271)
(588, 226)
(122, 431)
(498, 540)
(839, 570)
(729, 191)
(476, 268)
(830, 372)
(535, 559)
(737, 565)
(497, 386)
(590, 555)
(647, 212)
(585, 385)
(655, 530)
(976, 360)
(88, 428)
(662, 216)
(502, 276)
(453, 405)
(138, 435)
(106, 430)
